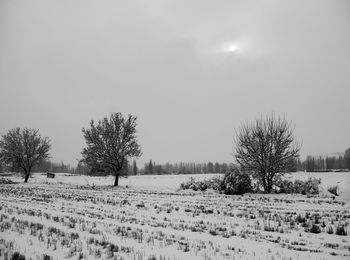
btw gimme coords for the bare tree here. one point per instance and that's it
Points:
(266, 148)
(111, 142)
(24, 148)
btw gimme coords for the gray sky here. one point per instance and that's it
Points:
(191, 71)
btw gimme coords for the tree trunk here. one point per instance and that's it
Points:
(26, 176)
(268, 189)
(116, 179)
(264, 182)
(270, 181)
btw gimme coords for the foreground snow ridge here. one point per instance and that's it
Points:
(69, 221)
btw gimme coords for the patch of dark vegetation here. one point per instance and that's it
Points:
(315, 229)
(310, 186)
(300, 219)
(235, 182)
(6, 181)
(332, 245)
(192, 184)
(341, 230)
(330, 230)
(17, 256)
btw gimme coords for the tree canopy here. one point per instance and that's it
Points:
(24, 148)
(110, 143)
(266, 148)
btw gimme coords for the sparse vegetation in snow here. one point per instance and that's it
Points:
(104, 222)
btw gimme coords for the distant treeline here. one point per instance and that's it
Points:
(310, 164)
(132, 168)
(45, 166)
(323, 163)
(184, 168)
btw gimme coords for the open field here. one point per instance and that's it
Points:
(76, 217)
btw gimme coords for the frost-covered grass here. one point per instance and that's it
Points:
(151, 219)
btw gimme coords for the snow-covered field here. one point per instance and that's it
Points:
(164, 182)
(79, 217)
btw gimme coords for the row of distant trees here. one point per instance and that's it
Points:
(184, 168)
(265, 149)
(42, 166)
(310, 164)
(327, 163)
(150, 168)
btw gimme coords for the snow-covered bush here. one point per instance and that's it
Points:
(311, 186)
(192, 184)
(236, 182)
(285, 186)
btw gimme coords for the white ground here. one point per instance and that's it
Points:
(328, 179)
(151, 217)
(172, 182)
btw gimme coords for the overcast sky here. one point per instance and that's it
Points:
(191, 71)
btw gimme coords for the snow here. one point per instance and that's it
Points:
(328, 179)
(148, 216)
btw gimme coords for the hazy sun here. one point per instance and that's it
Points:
(231, 47)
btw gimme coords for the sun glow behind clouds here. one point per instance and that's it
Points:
(241, 47)
(231, 47)
(237, 47)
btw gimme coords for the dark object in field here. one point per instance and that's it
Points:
(6, 181)
(315, 229)
(334, 190)
(50, 175)
(47, 257)
(341, 230)
(17, 256)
